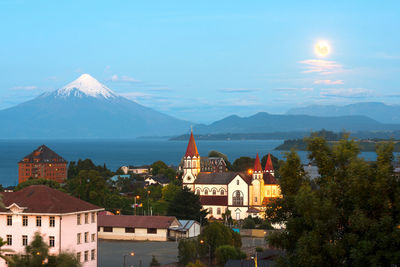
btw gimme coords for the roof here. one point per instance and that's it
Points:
(185, 225)
(257, 164)
(160, 222)
(44, 154)
(123, 176)
(162, 179)
(215, 177)
(214, 200)
(268, 164)
(191, 150)
(269, 178)
(253, 210)
(43, 199)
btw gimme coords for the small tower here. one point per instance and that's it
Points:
(257, 172)
(269, 168)
(257, 183)
(191, 163)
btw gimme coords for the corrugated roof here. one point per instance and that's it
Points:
(43, 199)
(214, 200)
(160, 222)
(215, 177)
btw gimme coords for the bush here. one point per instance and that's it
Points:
(196, 264)
(154, 262)
(249, 223)
(227, 252)
(187, 251)
(259, 249)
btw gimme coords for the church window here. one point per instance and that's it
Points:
(267, 192)
(218, 211)
(273, 191)
(188, 164)
(255, 199)
(237, 198)
(214, 192)
(198, 192)
(237, 182)
(206, 192)
(222, 192)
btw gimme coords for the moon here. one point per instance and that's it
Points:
(322, 48)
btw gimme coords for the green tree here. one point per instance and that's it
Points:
(49, 183)
(228, 252)
(249, 223)
(214, 153)
(349, 216)
(4, 251)
(187, 250)
(154, 262)
(169, 192)
(243, 164)
(186, 205)
(196, 264)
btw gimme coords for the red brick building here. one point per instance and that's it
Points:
(42, 163)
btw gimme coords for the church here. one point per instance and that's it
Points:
(243, 194)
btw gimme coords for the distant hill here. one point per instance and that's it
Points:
(266, 123)
(85, 108)
(375, 110)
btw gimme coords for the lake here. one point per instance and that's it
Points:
(119, 152)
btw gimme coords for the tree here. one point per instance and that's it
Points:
(159, 167)
(36, 254)
(154, 262)
(49, 183)
(187, 251)
(249, 223)
(228, 252)
(170, 191)
(196, 264)
(243, 164)
(349, 216)
(214, 153)
(186, 205)
(3, 251)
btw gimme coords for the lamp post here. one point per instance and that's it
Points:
(136, 197)
(148, 205)
(130, 254)
(209, 251)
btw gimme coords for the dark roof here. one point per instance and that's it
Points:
(215, 177)
(191, 150)
(43, 199)
(160, 222)
(161, 179)
(214, 200)
(269, 178)
(257, 164)
(253, 210)
(44, 154)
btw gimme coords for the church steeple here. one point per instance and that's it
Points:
(191, 163)
(191, 150)
(257, 164)
(268, 166)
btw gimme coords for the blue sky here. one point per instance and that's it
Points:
(204, 60)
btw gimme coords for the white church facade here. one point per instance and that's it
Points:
(243, 194)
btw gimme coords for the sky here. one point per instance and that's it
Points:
(204, 60)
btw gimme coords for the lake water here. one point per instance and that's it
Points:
(115, 153)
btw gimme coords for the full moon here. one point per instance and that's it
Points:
(322, 48)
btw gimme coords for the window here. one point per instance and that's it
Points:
(24, 240)
(52, 221)
(255, 199)
(206, 192)
(237, 181)
(38, 221)
(86, 218)
(78, 238)
(237, 199)
(129, 230)
(107, 229)
(93, 254)
(93, 237)
(222, 192)
(9, 219)
(218, 211)
(214, 192)
(86, 255)
(78, 219)
(93, 217)
(78, 256)
(152, 230)
(86, 237)
(51, 242)
(9, 240)
(24, 220)
(210, 211)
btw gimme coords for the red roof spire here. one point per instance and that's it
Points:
(191, 150)
(268, 165)
(257, 164)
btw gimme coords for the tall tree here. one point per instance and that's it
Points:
(349, 216)
(186, 205)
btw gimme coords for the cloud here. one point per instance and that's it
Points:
(320, 66)
(292, 89)
(136, 95)
(126, 79)
(160, 89)
(25, 88)
(329, 82)
(346, 92)
(383, 55)
(239, 90)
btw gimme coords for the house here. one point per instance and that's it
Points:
(158, 179)
(130, 227)
(243, 194)
(66, 223)
(120, 176)
(188, 229)
(42, 163)
(145, 169)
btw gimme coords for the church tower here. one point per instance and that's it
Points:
(191, 163)
(269, 168)
(257, 183)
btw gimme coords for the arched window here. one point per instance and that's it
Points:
(214, 192)
(218, 211)
(198, 192)
(206, 192)
(237, 199)
(222, 192)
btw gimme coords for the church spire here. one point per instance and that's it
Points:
(257, 164)
(268, 166)
(191, 150)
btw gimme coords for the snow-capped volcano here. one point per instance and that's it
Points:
(86, 85)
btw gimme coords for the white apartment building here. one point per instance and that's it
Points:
(66, 223)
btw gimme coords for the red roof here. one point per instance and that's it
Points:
(160, 222)
(268, 165)
(43, 199)
(269, 178)
(214, 200)
(191, 150)
(257, 164)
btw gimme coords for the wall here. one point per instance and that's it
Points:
(140, 234)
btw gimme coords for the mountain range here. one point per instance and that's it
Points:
(85, 108)
(375, 110)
